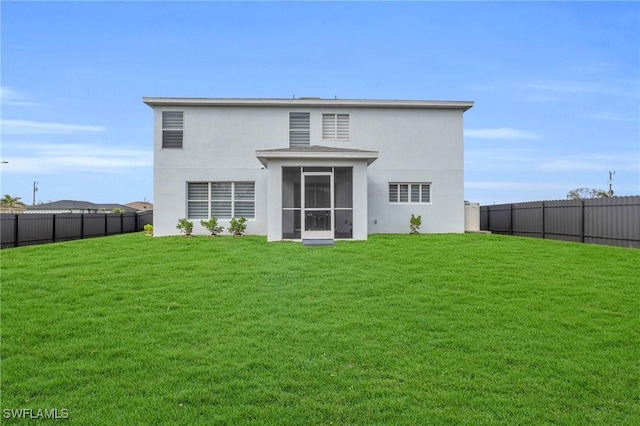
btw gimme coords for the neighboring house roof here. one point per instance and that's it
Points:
(64, 205)
(316, 152)
(140, 205)
(308, 102)
(110, 207)
(77, 205)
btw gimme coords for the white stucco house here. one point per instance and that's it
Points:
(309, 168)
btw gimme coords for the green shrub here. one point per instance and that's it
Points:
(238, 226)
(414, 223)
(185, 226)
(148, 229)
(212, 225)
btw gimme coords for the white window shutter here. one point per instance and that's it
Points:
(328, 126)
(343, 126)
(299, 129)
(172, 129)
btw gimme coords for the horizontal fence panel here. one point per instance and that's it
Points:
(68, 226)
(38, 228)
(611, 221)
(500, 219)
(35, 229)
(527, 220)
(129, 222)
(93, 225)
(145, 218)
(484, 218)
(8, 230)
(616, 219)
(563, 220)
(114, 224)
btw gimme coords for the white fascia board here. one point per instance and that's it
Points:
(265, 156)
(303, 102)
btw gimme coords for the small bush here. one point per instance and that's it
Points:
(212, 225)
(238, 226)
(185, 226)
(414, 223)
(148, 229)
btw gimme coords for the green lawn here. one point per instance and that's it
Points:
(404, 329)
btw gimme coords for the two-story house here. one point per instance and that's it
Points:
(309, 168)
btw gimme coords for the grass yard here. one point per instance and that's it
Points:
(428, 329)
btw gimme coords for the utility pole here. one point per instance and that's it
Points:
(35, 189)
(611, 175)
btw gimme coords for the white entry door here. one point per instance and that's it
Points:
(317, 205)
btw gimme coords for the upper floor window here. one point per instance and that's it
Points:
(172, 129)
(299, 129)
(410, 193)
(335, 126)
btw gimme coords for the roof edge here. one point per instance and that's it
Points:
(306, 102)
(285, 154)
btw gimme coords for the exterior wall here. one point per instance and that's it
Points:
(445, 213)
(415, 146)
(219, 144)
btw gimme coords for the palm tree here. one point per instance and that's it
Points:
(10, 202)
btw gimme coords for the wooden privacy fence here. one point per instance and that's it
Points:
(40, 228)
(610, 221)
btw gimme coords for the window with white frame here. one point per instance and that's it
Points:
(410, 193)
(223, 200)
(299, 129)
(172, 129)
(335, 126)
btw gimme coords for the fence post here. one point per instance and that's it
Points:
(543, 222)
(511, 219)
(489, 218)
(582, 221)
(53, 229)
(17, 227)
(82, 226)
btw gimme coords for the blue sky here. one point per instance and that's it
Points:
(556, 85)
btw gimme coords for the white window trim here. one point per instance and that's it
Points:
(420, 184)
(209, 200)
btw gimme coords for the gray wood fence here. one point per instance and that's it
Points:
(39, 228)
(610, 221)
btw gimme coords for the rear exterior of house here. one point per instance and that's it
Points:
(309, 168)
